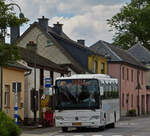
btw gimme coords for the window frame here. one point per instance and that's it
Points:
(7, 96)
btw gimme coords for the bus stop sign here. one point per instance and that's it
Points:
(48, 82)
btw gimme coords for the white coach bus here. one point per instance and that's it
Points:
(86, 100)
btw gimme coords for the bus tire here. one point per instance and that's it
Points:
(102, 128)
(64, 129)
(112, 125)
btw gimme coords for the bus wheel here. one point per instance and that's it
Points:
(112, 125)
(102, 128)
(64, 129)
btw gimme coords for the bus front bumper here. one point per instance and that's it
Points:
(78, 124)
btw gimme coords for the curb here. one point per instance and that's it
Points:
(125, 118)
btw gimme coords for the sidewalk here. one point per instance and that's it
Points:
(126, 118)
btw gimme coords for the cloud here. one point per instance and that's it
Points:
(91, 26)
(51, 8)
(84, 19)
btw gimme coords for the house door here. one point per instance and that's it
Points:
(148, 103)
(143, 104)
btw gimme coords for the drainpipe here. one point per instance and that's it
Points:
(27, 74)
(120, 86)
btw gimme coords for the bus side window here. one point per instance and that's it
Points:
(105, 91)
(110, 90)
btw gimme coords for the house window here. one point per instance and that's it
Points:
(142, 77)
(123, 100)
(17, 86)
(7, 95)
(102, 68)
(132, 75)
(123, 73)
(132, 100)
(127, 74)
(95, 66)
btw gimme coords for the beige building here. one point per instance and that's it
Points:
(10, 75)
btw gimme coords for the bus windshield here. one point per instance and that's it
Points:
(77, 94)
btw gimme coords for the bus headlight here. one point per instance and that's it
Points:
(59, 118)
(95, 117)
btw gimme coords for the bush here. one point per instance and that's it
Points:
(7, 126)
(131, 112)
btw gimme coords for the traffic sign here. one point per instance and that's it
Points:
(48, 82)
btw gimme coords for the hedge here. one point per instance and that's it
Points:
(7, 126)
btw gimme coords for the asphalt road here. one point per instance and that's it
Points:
(135, 127)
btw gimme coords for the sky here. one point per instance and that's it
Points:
(81, 19)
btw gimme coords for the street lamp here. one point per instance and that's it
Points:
(21, 15)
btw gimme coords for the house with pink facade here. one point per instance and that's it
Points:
(131, 75)
(143, 55)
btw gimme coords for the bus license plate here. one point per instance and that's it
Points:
(77, 124)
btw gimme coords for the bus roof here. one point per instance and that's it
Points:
(103, 77)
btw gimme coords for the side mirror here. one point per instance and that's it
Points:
(54, 89)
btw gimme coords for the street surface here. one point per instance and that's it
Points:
(135, 127)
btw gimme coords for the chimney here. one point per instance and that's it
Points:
(81, 42)
(43, 22)
(14, 33)
(58, 28)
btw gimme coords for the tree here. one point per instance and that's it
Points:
(7, 126)
(132, 24)
(8, 18)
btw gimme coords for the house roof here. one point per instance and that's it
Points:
(116, 54)
(62, 34)
(41, 62)
(76, 50)
(141, 53)
(77, 53)
(18, 66)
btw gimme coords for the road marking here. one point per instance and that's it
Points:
(54, 133)
(123, 123)
(78, 135)
(97, 135)
(117, 135)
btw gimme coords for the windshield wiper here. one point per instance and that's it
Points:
(92, 108)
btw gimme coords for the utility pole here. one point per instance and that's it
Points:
(16, 103)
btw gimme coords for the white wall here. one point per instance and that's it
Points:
(29, 84)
